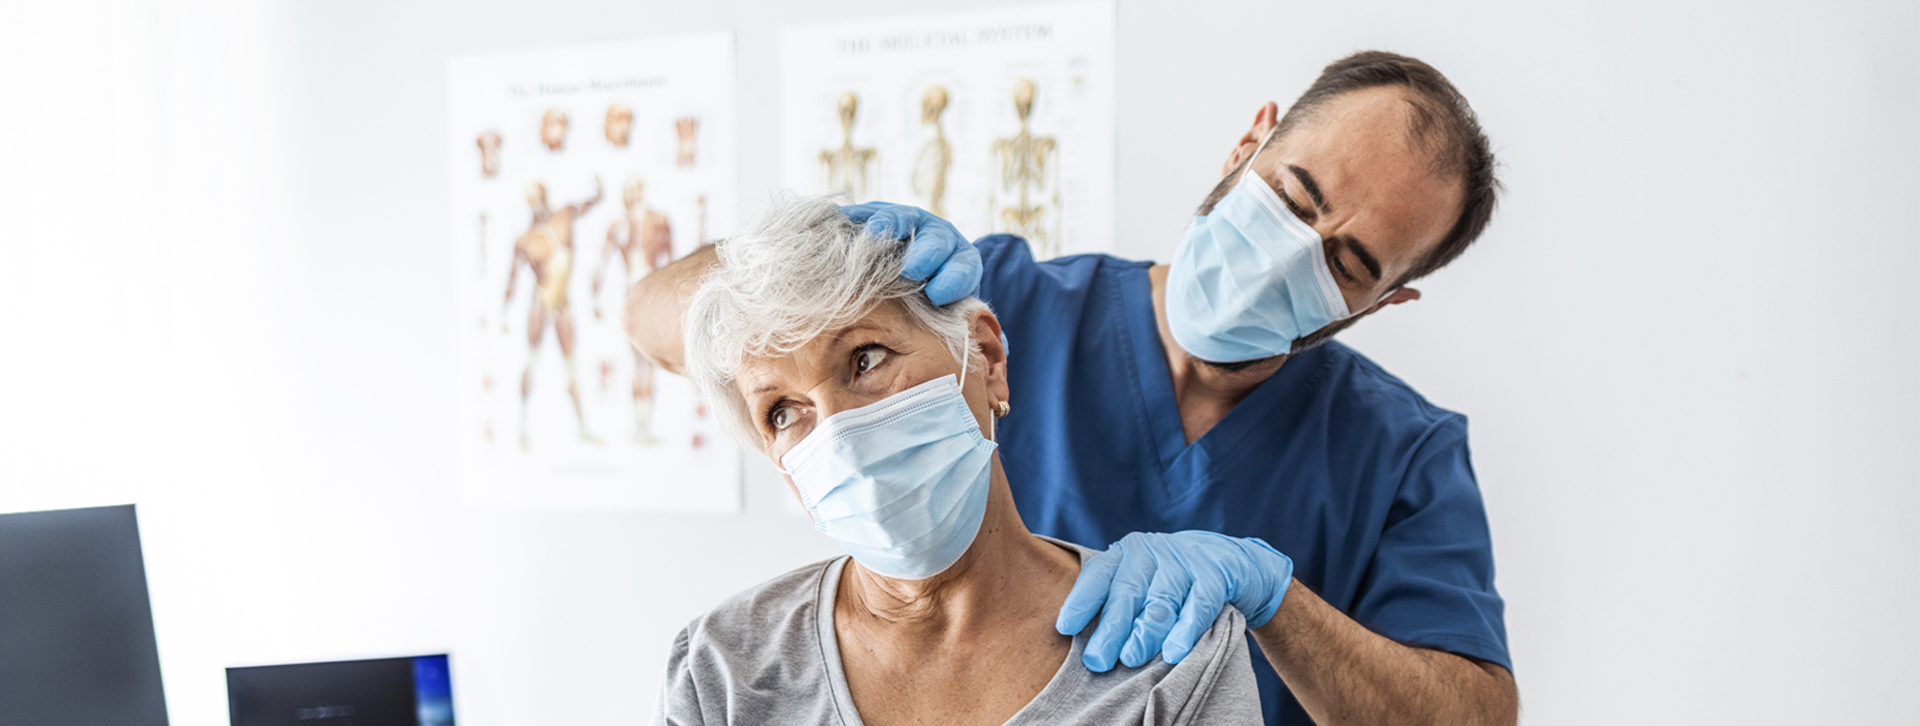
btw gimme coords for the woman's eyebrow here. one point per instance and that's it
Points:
(759, 382)
(840, 336)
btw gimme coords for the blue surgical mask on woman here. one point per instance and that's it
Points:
(901, 484)
(1250, 278)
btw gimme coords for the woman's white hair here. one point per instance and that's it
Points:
(801, 270)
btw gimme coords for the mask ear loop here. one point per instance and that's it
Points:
(993, 427)
(1244, 173)
(993, 423)
(966, 357)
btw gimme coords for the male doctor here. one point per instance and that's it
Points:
(1198, 416)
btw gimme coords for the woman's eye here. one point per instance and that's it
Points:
(868, 359)
(783, 417)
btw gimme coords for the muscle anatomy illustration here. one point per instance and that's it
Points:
(643, 241)
(546, 249)
(687, 130)
(619, 125)
(935, 159)
(848, 169)
(489, 143)
(553, 129)
(1025, 185)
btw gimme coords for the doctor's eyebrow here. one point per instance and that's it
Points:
(1360, 251)
(1313, 188)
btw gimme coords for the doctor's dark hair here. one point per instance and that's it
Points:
(1442, 124)
(798, 271)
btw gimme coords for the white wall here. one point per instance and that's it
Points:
(1683, 343)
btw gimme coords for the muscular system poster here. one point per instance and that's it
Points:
(999, 120)
(574, 172)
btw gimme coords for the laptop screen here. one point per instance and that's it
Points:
(379, 692)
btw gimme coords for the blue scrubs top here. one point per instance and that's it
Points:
(1366, 485)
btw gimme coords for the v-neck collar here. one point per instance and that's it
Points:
(1040, 710)
(1185, 464)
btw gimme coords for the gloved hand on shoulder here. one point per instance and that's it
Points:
(1156, 594)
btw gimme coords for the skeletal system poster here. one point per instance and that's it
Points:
(574, 173)
(1000, 120)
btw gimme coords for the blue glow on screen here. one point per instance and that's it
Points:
(433, 690)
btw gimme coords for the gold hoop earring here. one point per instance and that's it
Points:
(1002, 408)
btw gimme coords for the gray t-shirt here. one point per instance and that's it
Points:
(769, 656)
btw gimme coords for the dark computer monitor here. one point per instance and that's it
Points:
(381, 692)
(76, 630)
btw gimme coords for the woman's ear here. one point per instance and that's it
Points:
(985, 329)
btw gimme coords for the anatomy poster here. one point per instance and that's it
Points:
(999, 120)
(575, 172)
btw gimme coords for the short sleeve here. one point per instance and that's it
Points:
(1430, 583)
(679, 696)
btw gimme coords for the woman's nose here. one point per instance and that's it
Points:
(829, 402)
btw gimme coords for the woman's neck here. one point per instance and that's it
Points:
(1006, 573)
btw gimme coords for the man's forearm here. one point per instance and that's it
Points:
(1345, 674)
(657, 304)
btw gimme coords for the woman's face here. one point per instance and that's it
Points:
(880, 355)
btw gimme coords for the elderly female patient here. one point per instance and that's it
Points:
(879, 408)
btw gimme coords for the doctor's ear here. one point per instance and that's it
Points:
(1402, 295)
(1263, 122)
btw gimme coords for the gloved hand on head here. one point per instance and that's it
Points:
(1159, 593)
(936, 251)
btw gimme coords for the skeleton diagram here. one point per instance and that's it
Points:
(553, 129)
(644, 240)
(547, 250)
(1025, 187)
(619, 125)
(936, 156)
(687, 128)
(847, 169)
(489, 143)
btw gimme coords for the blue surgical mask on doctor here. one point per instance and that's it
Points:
(1250, 278)
(900, 484)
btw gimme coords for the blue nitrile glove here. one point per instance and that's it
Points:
(1142, 582)
(935, 248)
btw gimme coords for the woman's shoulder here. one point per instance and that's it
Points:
(755, 658)
(787, 604)
(1213, 685)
